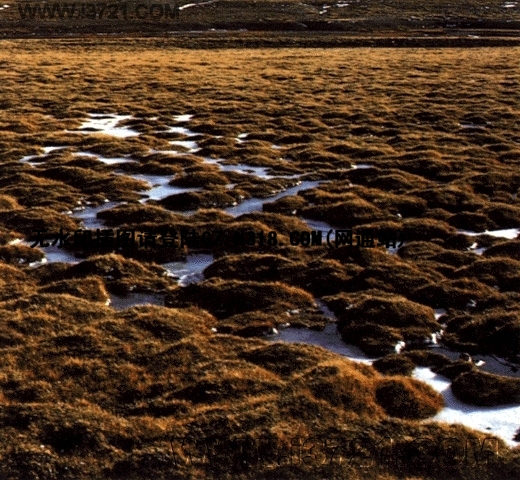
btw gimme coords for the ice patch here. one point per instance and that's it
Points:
(119, 302)
(53, 254)
(256, 204)
(185, 117)
(509, 233)
(329, 338)
(499, 421)
(88, 215)
(182, 131)
(107, 124)
(160, 187)
(107, 161)
(260, 172)
(190, 145)
(189, 271)
(47, 150)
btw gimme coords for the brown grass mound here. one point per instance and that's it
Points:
(454, 369)
(199, 179)
(289, 205)
(136, 214)
(8, 203)
(452, 199)
(346, 214)
(425, 229)
(323, 276)
(503, 215)
(394, 364)
(224, 298)
(88, 288)
(408, 398)
(501, 271)
(246, 266)
(167, 324)
(375, 340)
(342, 387)
(249, 324)
(392, 311)
(486, 389)
(492, 331)
(425, 358)
(121, 275)
(397, 181)
(399, 278)
(453, 293)
(471, 221)
(195, 200)
(509, 249)
(29, 221)
(61, 309)
(419, 249)
(360, 256)
(20, 254)
(121, 187)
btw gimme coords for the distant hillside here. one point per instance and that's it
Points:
(29, 18)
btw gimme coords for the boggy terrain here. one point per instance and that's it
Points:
(423, 144)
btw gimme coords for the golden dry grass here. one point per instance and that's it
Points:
(87, 381)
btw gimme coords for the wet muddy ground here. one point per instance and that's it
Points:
(218, 167)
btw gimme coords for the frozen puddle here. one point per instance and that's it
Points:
(509, 233)
(108, 161)
(182, 131)
(256, 204)
(160, 187)
(241, 138)
(52, 254)
(119, 302)
(500, 421)
(486, 363)
(474, 248)
(46, 151)
(260, 172)
(190, 145)
(88, 215)
(189, 271)
(329, 338)
(242, 168)
(183, 118)
(106, 123)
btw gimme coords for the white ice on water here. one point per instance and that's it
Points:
(509, 233)
(185, 117)
(106, 123)
(500, 421)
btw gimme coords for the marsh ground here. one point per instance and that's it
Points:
(88, 391)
